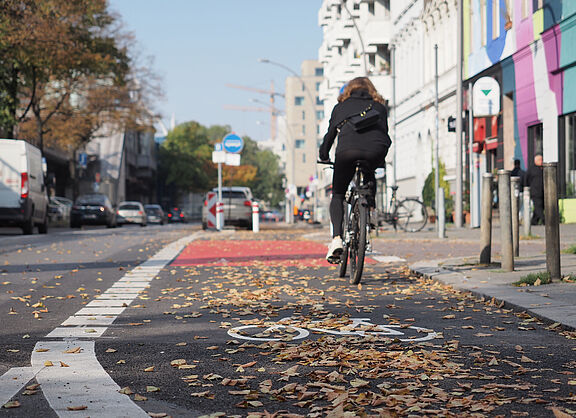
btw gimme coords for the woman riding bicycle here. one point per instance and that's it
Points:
(369, 144)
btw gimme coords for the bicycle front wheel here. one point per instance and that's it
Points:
(358, 241)
(411, 215)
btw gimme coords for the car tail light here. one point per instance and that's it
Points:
(205, 203)
(25, 186)
(181, 215)
(247, 203)
(169, 215)
(139, 212)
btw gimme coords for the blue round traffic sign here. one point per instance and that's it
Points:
(232, 143)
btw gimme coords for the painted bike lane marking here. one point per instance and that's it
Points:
(76, 378)
(296, 332)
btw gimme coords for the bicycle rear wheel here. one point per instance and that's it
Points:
(411, 215)
(345, 236)
(358, 241)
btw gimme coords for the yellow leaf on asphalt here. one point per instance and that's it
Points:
(12, 350)
(121, 362)
(559, 413)
(11, 404)
(178, 362)
(126, 391)
(480, 334)
(212, 347)
(139, 397)
(77, 408)
(111, 350)
(449, 317)
(525, 359)
(358, 383)
(152, 389)
(149, 369)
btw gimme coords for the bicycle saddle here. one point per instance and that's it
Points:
(362, 164)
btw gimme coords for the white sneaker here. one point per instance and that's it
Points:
(335, 250)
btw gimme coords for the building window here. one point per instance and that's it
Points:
(319, 72)
(537, 5)
(303, 115)
(495, 19)
(298, 100)
(303, 129)
(319, 102)
(304, 158)
(319, 114)
(371, 7)
(535, 142)
(567, 156)
(525, 8)
(299, 143)
(318, 86)
(483, 21)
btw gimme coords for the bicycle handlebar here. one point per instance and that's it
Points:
(328, 162)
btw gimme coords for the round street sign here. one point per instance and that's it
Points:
(232, 143)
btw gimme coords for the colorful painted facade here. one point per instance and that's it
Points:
(529, 47)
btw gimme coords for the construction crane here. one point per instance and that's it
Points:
(272, 109)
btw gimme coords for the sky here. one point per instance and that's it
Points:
(199, 46)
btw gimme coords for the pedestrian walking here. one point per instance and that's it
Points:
(535, 179)
(518, 172)
(369, 142)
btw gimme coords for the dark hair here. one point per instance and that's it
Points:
(361, 83)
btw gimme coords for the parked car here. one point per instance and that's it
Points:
(23, 196)
(155, 214)
(271, 216)
(93, 209)
(59, 209)
(237, 207)
(176, 215)
(131, 213)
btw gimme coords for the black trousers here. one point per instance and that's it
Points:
(538, 215)
(343, 173)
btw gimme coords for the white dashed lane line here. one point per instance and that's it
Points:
(68, 371)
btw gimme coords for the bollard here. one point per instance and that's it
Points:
(526, 215)
(219, 216)
(486, 221)
(255, 217)
(514, 199)
(505, 208)
(441, 214)
(552, 220)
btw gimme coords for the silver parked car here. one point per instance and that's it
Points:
(237, 207)
(155, 214)
(131, 213)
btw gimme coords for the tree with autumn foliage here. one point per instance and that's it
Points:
(186, 163)
(66, 72)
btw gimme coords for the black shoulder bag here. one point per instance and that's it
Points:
(363, 120)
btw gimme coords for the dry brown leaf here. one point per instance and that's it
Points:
(77, 408)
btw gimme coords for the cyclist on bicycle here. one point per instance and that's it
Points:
(369, 144)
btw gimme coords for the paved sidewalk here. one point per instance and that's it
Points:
(553, 302)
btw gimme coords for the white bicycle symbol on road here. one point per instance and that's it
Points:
(360, 327)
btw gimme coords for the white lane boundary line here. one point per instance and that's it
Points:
(80, 380)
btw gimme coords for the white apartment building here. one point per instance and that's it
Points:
(356, 39)
(418, 26)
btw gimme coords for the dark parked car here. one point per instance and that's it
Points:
(155, 214)
(92, 209)
(176, 215)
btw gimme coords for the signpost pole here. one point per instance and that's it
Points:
(219, 213)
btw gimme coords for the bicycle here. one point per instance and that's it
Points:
(356, 223)
(409, 214)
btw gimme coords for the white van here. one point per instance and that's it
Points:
(23, 196)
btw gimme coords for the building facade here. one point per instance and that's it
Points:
(356, 43)
(527, 47)
(424, 47)
(304, 110)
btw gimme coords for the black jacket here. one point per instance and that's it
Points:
(535, 179)
(374, 139)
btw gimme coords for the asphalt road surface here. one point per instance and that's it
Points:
(172, 321)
